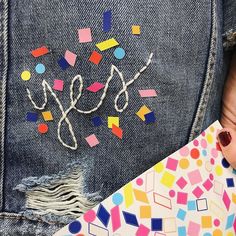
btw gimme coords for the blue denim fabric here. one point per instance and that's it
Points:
(188, 70)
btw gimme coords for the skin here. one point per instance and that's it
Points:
(228, 115)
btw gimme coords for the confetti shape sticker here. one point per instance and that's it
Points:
(142, 112)
(92, 140)
(43, 128)
(62, 62)
(70, 57)
(47, 115)
(58, 85)
(40, 51)
(97, 121)
(117, 131)
(136, 29)
(95, 87)
(107, 17)
(85, 35)
(145, 93)
(119, 53)
(40, 68)
(95, 58)
(32, 116)
(113, 120)
(107, 44)
(150, 118)
(25, 75)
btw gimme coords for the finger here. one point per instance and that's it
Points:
(227, 141)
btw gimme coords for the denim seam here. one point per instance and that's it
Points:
(4, 66)
(209, 78)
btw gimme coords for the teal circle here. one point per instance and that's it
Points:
(117, 199)
(207, 234)
(204, 152)
(40, 68)
(119, 53)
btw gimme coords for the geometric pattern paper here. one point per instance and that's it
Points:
(190, 193)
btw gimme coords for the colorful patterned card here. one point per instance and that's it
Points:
(191, 192)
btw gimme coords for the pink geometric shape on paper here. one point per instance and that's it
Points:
(197, 192)
(115, 218)
(181, 182)
(226, 200)
(207, 185)
(95, 87)
(184, 151)
(90, 216)
(182, 198)
(172, 164)
(193, 229)
(142, 231)
(195, 177)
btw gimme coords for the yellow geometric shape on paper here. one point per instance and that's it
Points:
(219, 170)
(234, 198)
(47, 115)
(145, 212)
(136, 29)
(184, 163)
(209, 138)
(159, 167)
(206, 222)
(113, 120)
(168, 179)
(142, 112)
(217, 232)
(128, 195)
(140, 196)
(107, 44)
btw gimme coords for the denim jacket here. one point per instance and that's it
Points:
(182, 52)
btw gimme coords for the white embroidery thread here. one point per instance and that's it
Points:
(75, 100)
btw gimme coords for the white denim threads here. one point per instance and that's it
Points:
(74, 100)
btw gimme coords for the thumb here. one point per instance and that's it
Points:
(227, 141)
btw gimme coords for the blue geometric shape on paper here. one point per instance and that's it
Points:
(103, 215)
(130, 219)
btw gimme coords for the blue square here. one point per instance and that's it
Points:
(230, 182)
(150, 118)
(63, 63)
(156, 224)
(182, 231)
(181, 214)
(97, 121)
(32, 116)
(191, 205)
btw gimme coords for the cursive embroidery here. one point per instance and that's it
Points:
(74, 100)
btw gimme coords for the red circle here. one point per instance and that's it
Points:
(43, 128)
(194, 153)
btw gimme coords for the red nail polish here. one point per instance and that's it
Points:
(225, 138)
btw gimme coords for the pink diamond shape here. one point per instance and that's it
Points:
(172, 164)
(226, 200)
(142, 231)
(95, 87)
(181, 182)
(207, 184)
(70, 57)
(197, 192)
(235, 225)
(92, 140)
(182, 198)
(193, 228)
(195, 177)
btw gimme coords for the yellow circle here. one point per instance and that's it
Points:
(199, 162)
(219, 170)
(230, 234)
(184, 163)
(209, 138)
(212, 129)
(25, 75)
(159, 167)
(217, 232)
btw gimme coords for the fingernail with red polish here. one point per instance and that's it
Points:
(225, 138)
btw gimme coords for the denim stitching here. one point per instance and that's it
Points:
(4, 66)
(201, 110)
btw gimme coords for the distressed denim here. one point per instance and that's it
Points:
(44, 185)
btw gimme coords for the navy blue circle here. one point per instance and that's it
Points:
(225, 163)
(74, 227)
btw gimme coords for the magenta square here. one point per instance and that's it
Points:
(58, 85)
(195, 177)
(181, 182)
(226, 200)
(182, 198)
(193, 228)
(85, 35)
(197, 192)
(207, 185)
(142, 231)
(172, 164)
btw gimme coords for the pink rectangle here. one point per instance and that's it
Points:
(115, 218)
(142, 231)
(147, 93)
(95, 87)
